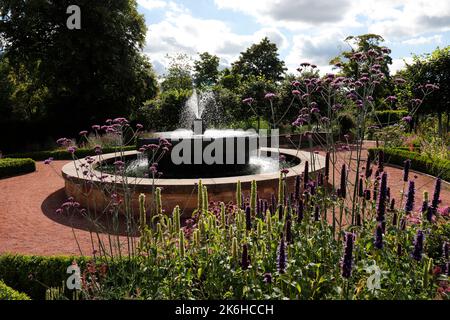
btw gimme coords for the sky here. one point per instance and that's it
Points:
(304, 30)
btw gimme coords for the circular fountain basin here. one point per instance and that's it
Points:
(89, 191)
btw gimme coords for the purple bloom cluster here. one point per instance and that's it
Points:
(347, 260)
(418, 246)
(409, 205)
(406, 168)
(379, 236)
(281, 255)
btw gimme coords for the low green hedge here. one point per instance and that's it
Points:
(33, 274)
(64, 154)
(390, 117)
(8, 293)
(11, 167)
(435, 167)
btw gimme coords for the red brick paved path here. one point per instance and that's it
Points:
(29, 225)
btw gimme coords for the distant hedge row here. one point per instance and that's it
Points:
(11, 167)
(29, 274)
(64, 154)
(435, 167)
(386, 117)
(8, 293)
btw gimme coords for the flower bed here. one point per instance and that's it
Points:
(435, 167)
(10, 167)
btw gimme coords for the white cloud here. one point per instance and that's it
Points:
(317, 50)
(296, 14)
(152, 4)
(181, 32)
(393, 19)
(398, 64)
(424, 40)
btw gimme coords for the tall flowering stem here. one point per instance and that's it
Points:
(409, 205)
(347, 259)
(418, 246)
(281, 256)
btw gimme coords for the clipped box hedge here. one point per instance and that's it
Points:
(435, 167)
(64, 154)
(29, 274)
(11, 167)
(8, 293)
(390, 117)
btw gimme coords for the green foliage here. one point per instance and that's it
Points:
(431, 68)
(389, 117)
(74, 77)
(206, 70)
(352, 69)
(33, 274)
(163, 113)
(7, 293)
(65, 155)
(179, 74)
(10, 167)
(260, 60)
(426, 164)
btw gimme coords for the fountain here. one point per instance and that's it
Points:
(219, 157)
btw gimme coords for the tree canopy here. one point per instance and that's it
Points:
(260, 60)
(206, 70)
(91, 73)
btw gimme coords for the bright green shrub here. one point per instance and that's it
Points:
(8, 293)
(64, 154)
(435, 167)
(10, 167)
(29, 274)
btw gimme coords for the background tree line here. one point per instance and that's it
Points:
(55, 81)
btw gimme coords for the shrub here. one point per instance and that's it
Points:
(64, 154)
(10, 167)
(8, 293)
(31, 274)
(435, 167)
(389, 117)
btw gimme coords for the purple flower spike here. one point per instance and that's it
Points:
(406, 168)
(437, 194)
(381, 208)
(347, 260)
(418, 246)
(281, 256)
(409, 205)
(379, 236)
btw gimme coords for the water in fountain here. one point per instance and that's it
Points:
(200, 105)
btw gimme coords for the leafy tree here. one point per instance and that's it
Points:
(206, 70)
(6, 89)
(432, 68)
(179, 73)
(352, 69)
(163, 112)
(260, 60)
(92, 73)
